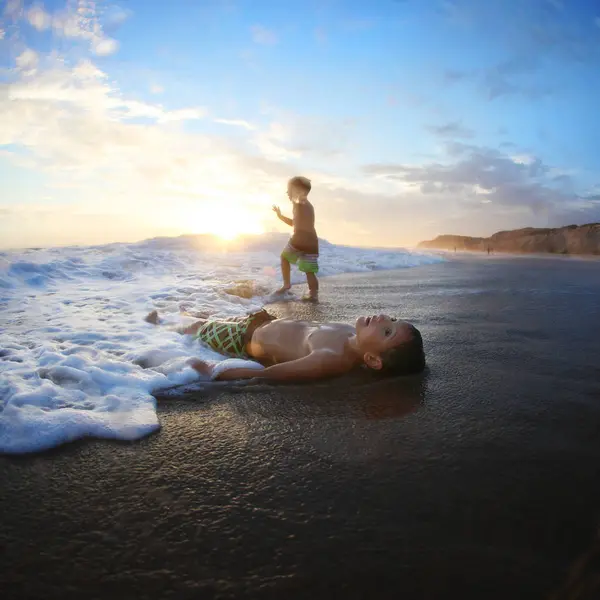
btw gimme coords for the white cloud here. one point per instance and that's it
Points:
(523, 159)
(74, 124)
(262, 35)
(2, 33)
(272, 142)
(27, 61)
(38, 18)
(477, 189)
(293, 136)
(236, 123)
(72, 127)
(85, 87)
(79, 20)
(115, 16)
(454, 129)
(115, 154)
(510, 183)
(105, 46)
(183, 114)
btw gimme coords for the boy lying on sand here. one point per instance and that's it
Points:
(301, 350)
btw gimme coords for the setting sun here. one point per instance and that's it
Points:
(226, 223)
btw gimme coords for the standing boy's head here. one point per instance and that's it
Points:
(298, 187)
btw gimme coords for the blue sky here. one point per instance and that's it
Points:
(413, 118)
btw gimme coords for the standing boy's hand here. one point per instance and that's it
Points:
(287, 221)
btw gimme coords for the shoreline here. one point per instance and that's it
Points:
(482, 253)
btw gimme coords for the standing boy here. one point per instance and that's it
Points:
(303, 247)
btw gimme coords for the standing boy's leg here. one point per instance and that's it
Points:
(313, 286)
(288, 257)
(309, 265)
(285, 274)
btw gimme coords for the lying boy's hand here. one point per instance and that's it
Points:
(203, 367)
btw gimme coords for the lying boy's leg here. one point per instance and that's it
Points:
(152, 317)
(190, 329)
(193, 328)
(203, 367)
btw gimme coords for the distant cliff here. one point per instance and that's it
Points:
(572, 239)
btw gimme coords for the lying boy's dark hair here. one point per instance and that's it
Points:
(407, 358)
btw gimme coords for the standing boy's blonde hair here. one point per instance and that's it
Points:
(301, 182)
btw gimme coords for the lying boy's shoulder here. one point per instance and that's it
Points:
(324, 362)
(332, 358)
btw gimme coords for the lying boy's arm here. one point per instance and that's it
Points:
(314, 366)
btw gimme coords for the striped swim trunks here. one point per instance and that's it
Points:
(232, 336)
(307, 263)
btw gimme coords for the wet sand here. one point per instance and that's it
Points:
(480, 479)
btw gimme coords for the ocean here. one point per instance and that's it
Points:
(78, 360)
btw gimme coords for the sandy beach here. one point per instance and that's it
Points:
(480, 479)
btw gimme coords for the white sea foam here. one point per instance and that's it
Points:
(76, 357)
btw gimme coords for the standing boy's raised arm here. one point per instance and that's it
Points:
(287, 221)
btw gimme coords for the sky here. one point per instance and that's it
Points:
(412, 118)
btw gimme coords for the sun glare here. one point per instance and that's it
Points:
(227, 224)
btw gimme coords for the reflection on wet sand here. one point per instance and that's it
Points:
(394, 399)
(583, 578)
(357, 396)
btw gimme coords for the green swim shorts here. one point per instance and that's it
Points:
(232, 336)
(307, 263)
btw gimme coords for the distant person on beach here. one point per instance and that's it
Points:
(303, 247)
(300, 350)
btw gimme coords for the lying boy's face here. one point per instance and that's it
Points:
(379, 333)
